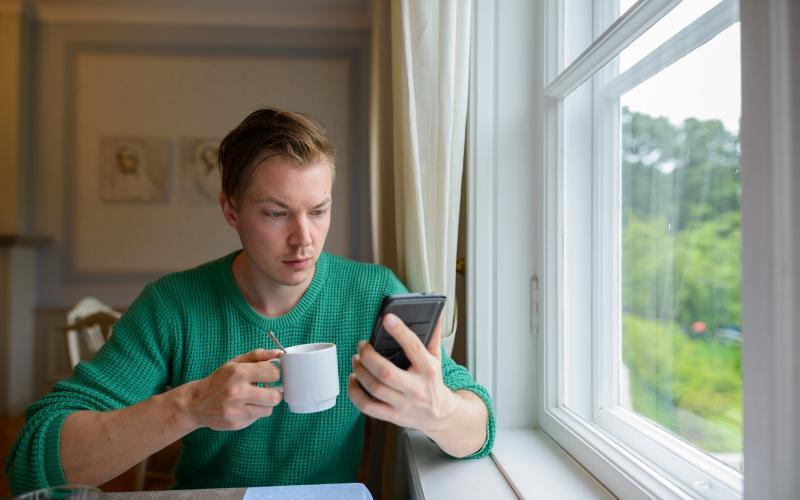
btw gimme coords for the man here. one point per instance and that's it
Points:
(202, 333)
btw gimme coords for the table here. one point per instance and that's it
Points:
(211, 494)
(345, 491)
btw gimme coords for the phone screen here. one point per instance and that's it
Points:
(419, 311)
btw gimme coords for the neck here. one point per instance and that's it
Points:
(264, 295)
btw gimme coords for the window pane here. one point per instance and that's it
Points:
(681, 246)
(581, 28)
(577, 234)
(678, 18)
(585, 21)
(578, 31)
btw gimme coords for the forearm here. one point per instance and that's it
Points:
(464, 431)
(98, 446)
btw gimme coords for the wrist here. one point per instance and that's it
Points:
(448, 409)
(177, 403)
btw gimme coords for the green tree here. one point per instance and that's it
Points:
(687, 276)
(681, 219)
(681, 255)
(708, 272)
(686, 174)
(674, 380)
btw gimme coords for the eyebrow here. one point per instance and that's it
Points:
(274, 201)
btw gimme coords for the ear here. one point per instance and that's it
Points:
(228, 211)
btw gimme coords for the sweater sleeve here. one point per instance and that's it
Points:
(131, 367)
(457, 378)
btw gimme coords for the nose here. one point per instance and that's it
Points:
(300, 235)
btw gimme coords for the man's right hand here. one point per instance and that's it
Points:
(229, 399)
(98, 446)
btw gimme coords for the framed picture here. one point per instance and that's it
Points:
(135, 169)
(200, 179)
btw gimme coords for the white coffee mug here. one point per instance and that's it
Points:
(310, 377)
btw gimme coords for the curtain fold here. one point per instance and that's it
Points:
(418, 107)
(430, 75)
(380, 139)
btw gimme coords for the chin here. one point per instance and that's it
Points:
(295, 279)
(295, 282)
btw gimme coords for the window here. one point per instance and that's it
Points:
(643, 242)
(545, 161)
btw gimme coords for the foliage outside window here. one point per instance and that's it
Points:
(643, 348)
(681, 249)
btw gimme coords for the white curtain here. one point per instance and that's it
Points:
(418, 108)
(430, 75)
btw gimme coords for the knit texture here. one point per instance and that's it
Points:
(182, 328)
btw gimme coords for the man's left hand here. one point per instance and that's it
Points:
(415, 398)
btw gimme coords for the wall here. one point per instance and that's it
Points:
(162, 85)
(159, 75)
(13, 101)
(17, 248)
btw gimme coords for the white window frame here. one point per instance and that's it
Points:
(771, 246)
(511, 39)
(694, 467)
(657, 461)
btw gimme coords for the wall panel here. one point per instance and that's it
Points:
(161, 88)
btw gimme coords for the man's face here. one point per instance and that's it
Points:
(283, 219)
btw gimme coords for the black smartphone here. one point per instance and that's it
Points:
(419, 311)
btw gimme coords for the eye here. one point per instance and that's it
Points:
(319, 212)
(274, 214)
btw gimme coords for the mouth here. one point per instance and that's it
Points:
(298, 263)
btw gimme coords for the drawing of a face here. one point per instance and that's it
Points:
(127, 160)
(209, 157)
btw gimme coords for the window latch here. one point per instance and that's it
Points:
(534, 305)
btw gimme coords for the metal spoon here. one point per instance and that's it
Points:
(275, 339)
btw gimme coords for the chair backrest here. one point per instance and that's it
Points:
(89, 324)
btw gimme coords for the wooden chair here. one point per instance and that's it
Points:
(89, 324)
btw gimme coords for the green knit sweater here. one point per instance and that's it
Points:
(182, 328)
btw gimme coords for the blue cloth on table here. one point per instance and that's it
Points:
(339, 491)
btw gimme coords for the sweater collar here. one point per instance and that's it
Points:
(284, 321)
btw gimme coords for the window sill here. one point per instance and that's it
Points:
(525, 460)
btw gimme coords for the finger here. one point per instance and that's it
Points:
(256, 355)
(415, 351)
(366, 404)
(254, 412)
(263, 371)
(375, 387)
(262, 396)
(383, 369)
(435, 345)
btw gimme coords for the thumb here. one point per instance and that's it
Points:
(435, 345)
(256, 355)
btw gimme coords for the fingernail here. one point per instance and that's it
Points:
(391, 319)
(361, 343)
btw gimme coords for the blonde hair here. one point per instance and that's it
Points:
(268, 133)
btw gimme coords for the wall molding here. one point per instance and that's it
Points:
(298, 13)
(293, 43)
(17, 6)
(23, 240)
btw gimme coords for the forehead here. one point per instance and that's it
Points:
(284, 181)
